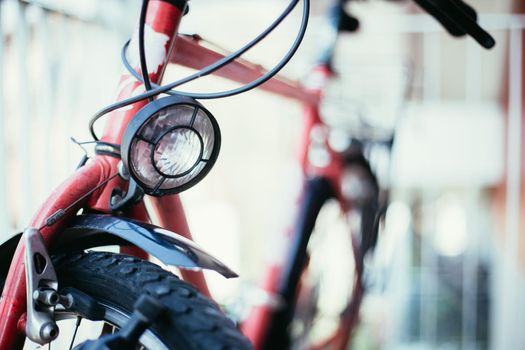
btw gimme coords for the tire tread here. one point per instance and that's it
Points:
(195, 318)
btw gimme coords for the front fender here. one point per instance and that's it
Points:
(97, 230)
(88, 231)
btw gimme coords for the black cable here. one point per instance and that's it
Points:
(142, 51)
(218, 65)
(246, 87)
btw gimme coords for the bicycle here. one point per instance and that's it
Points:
(149, 147)
(62, 279)
(343, 176)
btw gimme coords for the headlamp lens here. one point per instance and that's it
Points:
(178, 152)
(175, 146)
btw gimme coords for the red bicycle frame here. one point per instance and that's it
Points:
(163, 17)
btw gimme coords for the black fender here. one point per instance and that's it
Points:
(98, 230)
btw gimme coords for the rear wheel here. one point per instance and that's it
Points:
(329, 298)
(116, 281)
(327, 304)
(320, 288)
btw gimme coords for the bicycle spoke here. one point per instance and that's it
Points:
(79, 319)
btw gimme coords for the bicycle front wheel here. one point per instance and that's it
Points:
(116, 281)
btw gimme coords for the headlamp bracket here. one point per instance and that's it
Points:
(120, 200)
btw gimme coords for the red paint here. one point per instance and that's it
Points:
(333, 171)
(189, 53)
(21, 326)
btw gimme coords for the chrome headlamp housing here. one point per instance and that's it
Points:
(170, 145)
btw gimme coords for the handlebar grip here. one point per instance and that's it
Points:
(433, 9)
(458, 18)
(470, 23)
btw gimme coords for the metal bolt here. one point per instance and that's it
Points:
(49, 332)
(115, 200)
(46, 297)
(66, 300)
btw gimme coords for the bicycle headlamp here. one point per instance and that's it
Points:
(170, 145)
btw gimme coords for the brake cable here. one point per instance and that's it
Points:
(168, 88)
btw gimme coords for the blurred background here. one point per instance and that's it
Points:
(449, 269)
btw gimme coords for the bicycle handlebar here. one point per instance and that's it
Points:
(457, 17)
